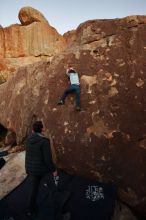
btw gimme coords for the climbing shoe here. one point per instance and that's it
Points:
(78, 108)
(60, 102)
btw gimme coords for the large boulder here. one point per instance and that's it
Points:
(107, 139)
(28, 15)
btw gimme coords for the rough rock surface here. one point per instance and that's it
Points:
(107, 139)
(12, 174)
(10, 139)
(122, 212)
(31, 42)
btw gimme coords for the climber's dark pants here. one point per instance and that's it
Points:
(72, 89)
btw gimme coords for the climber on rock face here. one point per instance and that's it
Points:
(73, 88)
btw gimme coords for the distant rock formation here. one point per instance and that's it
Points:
(33, 41)
(107, 139)
(28, 15)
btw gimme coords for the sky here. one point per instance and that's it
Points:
(65, 15)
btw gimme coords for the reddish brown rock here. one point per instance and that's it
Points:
(122, 212)
(106, 140)
(10, 139)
